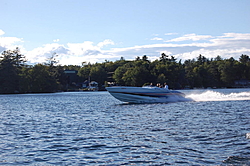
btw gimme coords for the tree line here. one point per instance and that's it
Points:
(16, 76)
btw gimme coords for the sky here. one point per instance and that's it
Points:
(99, 30)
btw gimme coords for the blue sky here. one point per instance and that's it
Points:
(98, 30)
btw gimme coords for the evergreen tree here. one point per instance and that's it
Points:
(11, 63)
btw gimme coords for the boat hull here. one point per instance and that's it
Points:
(145, 94)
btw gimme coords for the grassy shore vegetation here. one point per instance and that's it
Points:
(16, 76)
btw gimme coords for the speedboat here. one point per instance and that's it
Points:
(146, 94)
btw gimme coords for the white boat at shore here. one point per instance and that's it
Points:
(146, 94)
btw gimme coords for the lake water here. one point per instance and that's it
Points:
(93, 128)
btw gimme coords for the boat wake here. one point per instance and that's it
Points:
(175, 98)
(217, 96)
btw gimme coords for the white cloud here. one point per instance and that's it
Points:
(227, 45)
(236, 36)
(192, 37)
(105, 42)
(168, 34)
(1, 32)
(212, 53)
(156, 38)
(9, 42)
(70, 53)
(40, 54)
(80, 48)
(56, 40)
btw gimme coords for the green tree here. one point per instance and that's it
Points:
(213, 74)
(61, 78)
(245, 66)
(84, 72)
(161, 78)
(189, 66)
(11, 64)
(164, 58)
(118, 74)
(25, 81)
(56, 72)
(98, 74)
(201, 60)
(41, 79)
(228, 72)
(136, 76)
(244, 59)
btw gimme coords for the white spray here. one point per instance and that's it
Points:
(217, 96)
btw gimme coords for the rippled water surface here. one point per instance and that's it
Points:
(87, 128)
